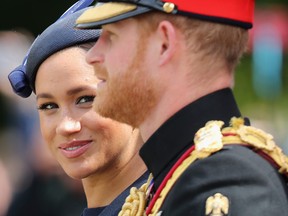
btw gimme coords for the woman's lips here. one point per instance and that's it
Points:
(75, 148)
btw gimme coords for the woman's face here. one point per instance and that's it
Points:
(83, 142)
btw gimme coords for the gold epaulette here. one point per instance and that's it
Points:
(213, 137)
(209, 140)
(258, 140)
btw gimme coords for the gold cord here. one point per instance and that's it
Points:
(135, 203)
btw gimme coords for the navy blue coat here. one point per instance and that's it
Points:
(115, 207)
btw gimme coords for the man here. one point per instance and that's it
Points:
(174, 82)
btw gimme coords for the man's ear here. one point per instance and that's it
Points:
(168, 38)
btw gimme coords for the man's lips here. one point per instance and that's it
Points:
(101, 84)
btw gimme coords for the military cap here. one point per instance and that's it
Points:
(233, 12)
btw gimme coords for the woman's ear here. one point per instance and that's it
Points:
(168, 38)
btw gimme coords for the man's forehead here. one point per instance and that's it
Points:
(117, 25)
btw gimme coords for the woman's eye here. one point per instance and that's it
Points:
(85, 99)
(47, 106)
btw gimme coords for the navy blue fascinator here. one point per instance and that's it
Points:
(60, 35)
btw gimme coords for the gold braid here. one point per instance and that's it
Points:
(258, 140)
(135, 203)
(209, 140)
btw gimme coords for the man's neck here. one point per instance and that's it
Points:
(171, 102)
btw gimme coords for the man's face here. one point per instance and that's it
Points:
(127, 91)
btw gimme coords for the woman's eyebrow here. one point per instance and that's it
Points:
(77, 90)
(43, 95)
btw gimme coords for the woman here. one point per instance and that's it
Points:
(99, 151)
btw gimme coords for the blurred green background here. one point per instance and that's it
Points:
(261, 84)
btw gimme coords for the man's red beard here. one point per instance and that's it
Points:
(129, 96)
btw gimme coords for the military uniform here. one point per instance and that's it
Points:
(252, 185)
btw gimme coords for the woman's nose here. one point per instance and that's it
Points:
(68, 126)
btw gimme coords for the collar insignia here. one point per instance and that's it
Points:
(217, 205)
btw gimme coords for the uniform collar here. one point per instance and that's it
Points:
(176, 135)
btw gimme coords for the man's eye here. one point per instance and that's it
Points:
(85, 99)
(107, 36)
(47, 106)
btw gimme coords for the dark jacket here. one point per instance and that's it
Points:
(251, 184)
